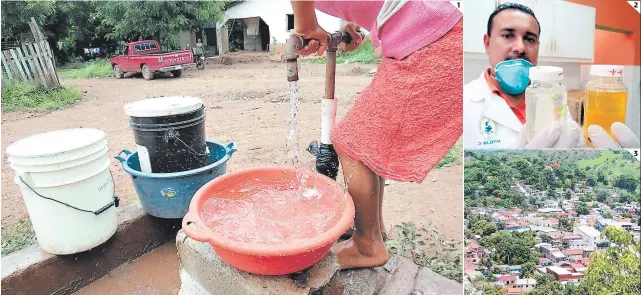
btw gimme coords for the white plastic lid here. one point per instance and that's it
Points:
(546, 73)
(55, 142)
(163, 106)
(606, 70)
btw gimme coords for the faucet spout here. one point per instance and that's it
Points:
(294, 43)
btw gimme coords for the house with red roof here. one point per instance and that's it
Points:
(584, 260)
(564, 275)
(508, 279)
(573, 253)
(573, 267)
(624, 219)
(553, 222)
(474, 253)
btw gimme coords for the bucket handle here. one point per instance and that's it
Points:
(232, 147)
(115, 202)
(193, 228)
(122, 160)
(173, 135)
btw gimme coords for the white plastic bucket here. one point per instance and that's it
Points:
(67, 188)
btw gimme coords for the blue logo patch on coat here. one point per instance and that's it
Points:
(488, 128)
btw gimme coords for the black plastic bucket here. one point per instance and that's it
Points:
(174, 143)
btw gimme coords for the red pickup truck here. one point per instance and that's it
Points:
(146, 57)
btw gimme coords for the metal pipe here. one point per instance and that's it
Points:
(330, 65)
(294, 43)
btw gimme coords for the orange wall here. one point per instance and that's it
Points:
(611, 47)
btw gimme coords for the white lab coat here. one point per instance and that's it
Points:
(488, 121)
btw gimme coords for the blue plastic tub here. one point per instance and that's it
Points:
(167, 195)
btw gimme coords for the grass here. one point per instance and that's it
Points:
(363, 55)
(20, 97)
(20, 236)
(94, 69)
(427, 248)
(453, 157)
(604, 162)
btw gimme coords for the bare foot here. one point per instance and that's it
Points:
(358, 252)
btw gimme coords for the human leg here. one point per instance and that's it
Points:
(366, 247)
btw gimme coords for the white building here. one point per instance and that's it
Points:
(578, 244)
(267, 21)
(527, 285)
(589, 234)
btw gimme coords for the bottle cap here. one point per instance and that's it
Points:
(606, 70)
(546, 73)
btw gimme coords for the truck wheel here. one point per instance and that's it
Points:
(147, 73)
(117, 73)
(177, 73)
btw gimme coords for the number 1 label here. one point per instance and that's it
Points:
(459, 4)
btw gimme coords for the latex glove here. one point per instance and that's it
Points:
(553, 136)
(625, 138)
(353, 30)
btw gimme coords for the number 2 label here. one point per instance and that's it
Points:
(635, 5)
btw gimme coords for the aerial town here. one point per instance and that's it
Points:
(551, 234)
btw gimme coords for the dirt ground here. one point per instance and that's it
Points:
(247, 104)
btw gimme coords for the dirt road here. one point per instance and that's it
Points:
(247, 104)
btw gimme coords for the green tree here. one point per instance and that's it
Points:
(582, 209)
(493, 291)
(529, 269)
(511, 248)
(16, 16)
(627, 182)
(546, 239)
(566, 224)
(615, 270)
(624, 197)
(483, 228)
(602, 196)
(580, 289)
(607, 215)
(160, 20)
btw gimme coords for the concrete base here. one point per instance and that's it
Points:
(202, 272)
(32, 271)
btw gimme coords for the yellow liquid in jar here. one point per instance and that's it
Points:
(603, 109)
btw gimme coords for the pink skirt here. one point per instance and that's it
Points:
(410, 116)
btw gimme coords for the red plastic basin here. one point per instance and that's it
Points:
(269, 258)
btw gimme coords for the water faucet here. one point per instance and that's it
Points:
(295, 43)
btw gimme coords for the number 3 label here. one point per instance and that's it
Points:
(634, 4)
(459, 4)
(635, 153)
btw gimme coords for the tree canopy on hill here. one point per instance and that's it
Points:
(76, 25)
(491, 176)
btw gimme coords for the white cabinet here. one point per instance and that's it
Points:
(475, 18)
(574, 30)
(567, 29)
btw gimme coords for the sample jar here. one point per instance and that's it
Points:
(546, 99)
(605, 98)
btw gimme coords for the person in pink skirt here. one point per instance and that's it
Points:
(410, 115)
